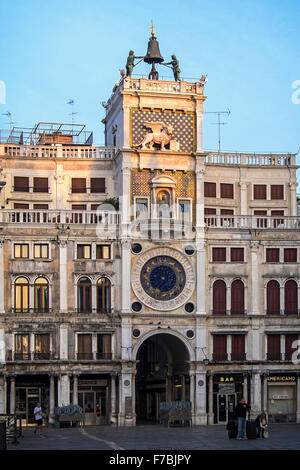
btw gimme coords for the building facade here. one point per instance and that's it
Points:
(148, 270)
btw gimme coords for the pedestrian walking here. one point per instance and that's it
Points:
(38, 418)
(261, 423)
(240, 414)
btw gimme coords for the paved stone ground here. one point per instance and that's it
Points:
(156, 437)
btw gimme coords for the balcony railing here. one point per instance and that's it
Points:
(17, 216)
(252, 222)
(32, 356)
(72, 152)
(251, 159)
(90, 356)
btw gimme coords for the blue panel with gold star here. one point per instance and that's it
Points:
(183, 127)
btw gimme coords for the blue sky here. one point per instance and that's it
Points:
(53, 51)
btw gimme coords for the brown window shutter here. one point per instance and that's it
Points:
(78, 185)
(238, 347)
(227, 191)
(40, 185)
(259, 191)
(40, 206)
(210, 189)
(85, 344)
(219, 254)
(19, 205)
(21, 183)
(209, 211)
(220, 347)
(219, 298)
(273, 298)
(97, 185)
(237, 254)
(78, 207)
(291, 298)
(272, 255)
(237, 298)
(277, 191)
(290, 255)
(274, 347)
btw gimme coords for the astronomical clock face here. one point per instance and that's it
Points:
(163, 278)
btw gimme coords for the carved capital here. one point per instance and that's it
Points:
(254, 246)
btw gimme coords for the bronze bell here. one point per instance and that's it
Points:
(153, 52)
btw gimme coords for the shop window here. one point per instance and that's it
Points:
(21, 183)
(42, 346)
(104, 346)
(103, 252)
(273, 347)
(238, 347)
(22, 347)
(277, 191)
(83, 251)
(259, 191)
(41, 295)
(84, 347)
(272, 255)
(273, 298)
(21, 295)
(21, 250)
(227, 191)
(237, 255)
(97, 185)
(84, 288)
(78, 185)
(41, 250)
(220, 347)
(219, 297)
(103, 295)
(237, 298)
(291, 298)
(40, 185)
(210, 189)
(290, 255)
(219, 254)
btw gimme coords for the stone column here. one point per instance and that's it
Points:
(75, 389)
(63, 390)
(200, 172)
(2, 346)
(126, 400)
(201, 277)
(125, 200)
(200, 398)
(245, 387)
(3, 394)
(12, 394)
(256, 394)
(63, 277)
(255, 280)
(293, 195)
(210, 418)
(126, 287)
(1, 276)
(113, 418)
(63, 342)
(192, 394)
(52, 400)
(298, 399)
(265, 393)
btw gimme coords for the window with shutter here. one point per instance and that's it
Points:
(273, 298)
(273, 342)
(291, 298)
(219, 254)
(97, 185)
(210, 189)
(237, 255)
(220, 347)
(277, 191)
(21, 183)
(237, 298)
(261, 223)
(104, 346)
(272, 255)
(40, 185)
(84, 348)
(276, 221)
(259, 191)
(238, 347)
(78, 185)
(219, 298)
(290, 255)
(209, 211)
(227, 191)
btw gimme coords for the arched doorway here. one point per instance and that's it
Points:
(162, 374)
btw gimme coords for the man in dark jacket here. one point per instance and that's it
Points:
(240, 414)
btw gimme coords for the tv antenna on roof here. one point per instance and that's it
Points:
(219, 123)
(71, 102)
(11, 122)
